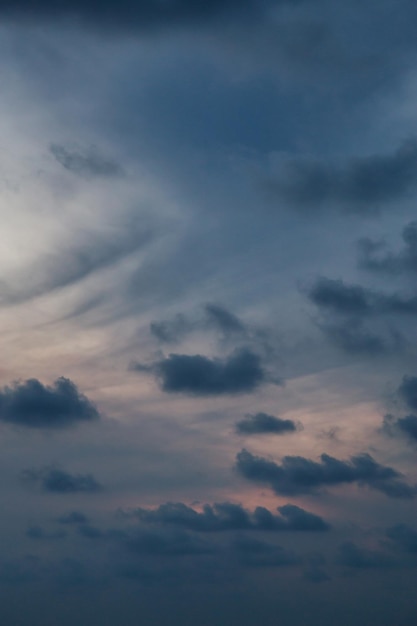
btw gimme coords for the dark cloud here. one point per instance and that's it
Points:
(262, 423)
(241, 372)
(406, 426)
(354, 556)
(55, 480)
(408, 392)
(374, 257)
(359, 319)
(315, 574)
(362, 185)
(89, 532)
(227, 516)
(256, 553)
(131, 14)
(87, 163)
(404, 536)
(34, 405)
(297, 475)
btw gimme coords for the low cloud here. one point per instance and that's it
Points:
(256, 553)
(297, 475)
(55, 480)
(406, 426)
(34, 405)
(227, 516)
(408, 392)
(262, 423)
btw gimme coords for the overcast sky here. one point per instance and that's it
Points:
(208, 305)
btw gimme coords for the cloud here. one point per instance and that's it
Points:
(404, 536)
(224, 320)
(130, 14)
(227, 516)
(373, 256)
(354, 556)
(262, 423)
(173, 330)
(240, 372)
(256, 553)
(403, 425)
(87, 163)
(55, 480)
(408, 392)
(359, 319)
(297, 475)
(362, 185)
(34, 405)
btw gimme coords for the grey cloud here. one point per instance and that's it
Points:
(406, 426)
(373, 256)
(55, 480)
(227, 516)
(89, 532)
(403, 536)
(240, 372)
(408, 391)
(34, 405)
(173, 330)
(362, 185)
(354, 337)
(262, 423)
(224, 320)
(354, 556)
(256, 553)
(316, 575)
(87, 163)
(297, 475)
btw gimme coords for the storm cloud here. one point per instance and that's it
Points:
(34, 405)
(297, 475)
(262, 423)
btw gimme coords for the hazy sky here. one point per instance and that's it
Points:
(208, 306)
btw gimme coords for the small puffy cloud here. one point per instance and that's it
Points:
(357, 557)
(361, 185)
(224, 320)
(227, 516)
(55, 480)
(34, 405)
(297, 475)
(87, 163)
(262, 423)
(240, 372)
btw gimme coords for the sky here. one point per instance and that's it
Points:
(208, 304)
